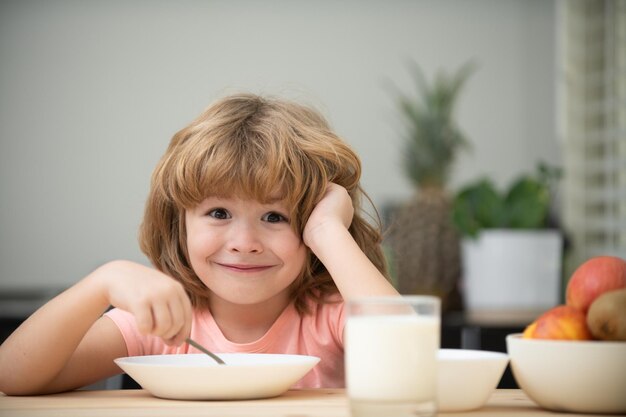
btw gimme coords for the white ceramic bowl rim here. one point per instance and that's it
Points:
(557, 341)
(190, 360)
(469, 354)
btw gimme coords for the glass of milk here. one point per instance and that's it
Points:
(391, 346)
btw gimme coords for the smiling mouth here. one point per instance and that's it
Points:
(245, 268)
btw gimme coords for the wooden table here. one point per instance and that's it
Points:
(294, 403)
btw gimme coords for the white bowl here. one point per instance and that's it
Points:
(468, 377)
(198, 377)
(571, 376)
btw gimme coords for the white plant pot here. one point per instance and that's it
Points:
(512, 270)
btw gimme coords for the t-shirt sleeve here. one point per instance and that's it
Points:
(334, 316)
(341, 322)
(125, 322)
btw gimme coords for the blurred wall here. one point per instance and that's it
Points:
(91, 92)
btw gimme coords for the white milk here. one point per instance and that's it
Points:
(391, 358)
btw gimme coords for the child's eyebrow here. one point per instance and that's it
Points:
(275, 198)
(273, 201)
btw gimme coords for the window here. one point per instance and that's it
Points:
(593, 34)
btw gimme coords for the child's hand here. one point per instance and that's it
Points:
(334, 211)
(159, 303)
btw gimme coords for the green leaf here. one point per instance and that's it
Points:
(476, 207)
(527, 204)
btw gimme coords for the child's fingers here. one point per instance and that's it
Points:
(177, 339)
(177, 315)
(187, 314)
(181, 313)
(187, 311)
(163, 320)
(144, 318)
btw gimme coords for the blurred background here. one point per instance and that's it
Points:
(92, 91)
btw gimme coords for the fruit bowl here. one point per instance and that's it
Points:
(467, 377)
(570, 376)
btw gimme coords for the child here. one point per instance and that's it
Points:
(253, 223)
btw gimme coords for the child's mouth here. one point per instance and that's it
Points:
(245, 267)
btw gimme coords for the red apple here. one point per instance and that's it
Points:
(559, 323)
(593, 278)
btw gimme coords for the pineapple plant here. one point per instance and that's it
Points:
(422, 238)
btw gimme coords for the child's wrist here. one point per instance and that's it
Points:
(327, 237)
(100, 279)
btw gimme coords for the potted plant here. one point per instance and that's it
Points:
(511, 250)
(424, 245)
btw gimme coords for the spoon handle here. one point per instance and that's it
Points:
(204, 350)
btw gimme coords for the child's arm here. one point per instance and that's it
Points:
(66, 344)
(326, 233)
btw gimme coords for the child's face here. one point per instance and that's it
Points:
(245, 252)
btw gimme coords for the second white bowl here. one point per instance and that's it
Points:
(468, 377)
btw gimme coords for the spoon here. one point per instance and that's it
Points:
(204, 350)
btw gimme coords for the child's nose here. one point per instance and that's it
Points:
(244, 238)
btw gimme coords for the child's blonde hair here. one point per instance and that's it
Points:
(252, 147)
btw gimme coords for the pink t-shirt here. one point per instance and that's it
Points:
(319, 333)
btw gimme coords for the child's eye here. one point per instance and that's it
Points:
(273, 217)
(219, 213)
